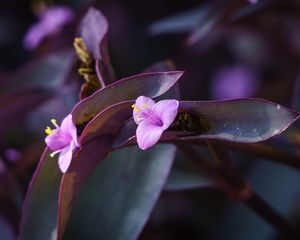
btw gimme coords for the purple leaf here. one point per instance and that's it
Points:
(83, 163)
(120, 194)
(107, 122)
(148, 84)
(241, 120)
(94, 29)
(165, 66)
(125, 135)
(39, 215)
(46, 177)
(96, 144)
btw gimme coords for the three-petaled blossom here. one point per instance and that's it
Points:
(51, 20)
(153, 119)
(62, 140)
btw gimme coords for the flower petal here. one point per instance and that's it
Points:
(148, 134)
(65, 158)
(56, 140)
(54, 18)
(34, 36)
(166, 110)
(69, 129)
(140, 104)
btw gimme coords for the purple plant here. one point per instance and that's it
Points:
(253, 1)
(110, 179)
(234, 82)
(62, 140)
(152, 119)
(51, 21)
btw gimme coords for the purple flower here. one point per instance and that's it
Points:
(62, 140)
(152, 119)
(253, 1)
(234, 82)
(50, 22)
(13, 155)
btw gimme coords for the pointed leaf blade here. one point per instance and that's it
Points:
(242, 120)
(148, 84)
(39, 215)
(120, 204)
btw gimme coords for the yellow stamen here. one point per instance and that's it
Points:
(82, 51)
(48, 130)
(135, 108)
(84, 71)
(53, 121)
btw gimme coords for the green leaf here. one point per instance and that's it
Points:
(117, 199)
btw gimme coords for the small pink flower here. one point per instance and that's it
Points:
(152, 119)
(62, 140)
(50, 22)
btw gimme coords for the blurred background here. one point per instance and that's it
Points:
(228, 49)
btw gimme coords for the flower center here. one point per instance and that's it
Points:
(48, 130)
(146, 113)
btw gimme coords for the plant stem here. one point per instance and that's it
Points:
(248, 196)
(238, 188)
(263, 209)
(268, 152)
(259, 150)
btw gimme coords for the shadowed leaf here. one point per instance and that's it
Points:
(83, 163)
(108, 121)
(15, 105)
(120, 204)
(150, 84)
(180, 180)
(39, 215)
(49, 71)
